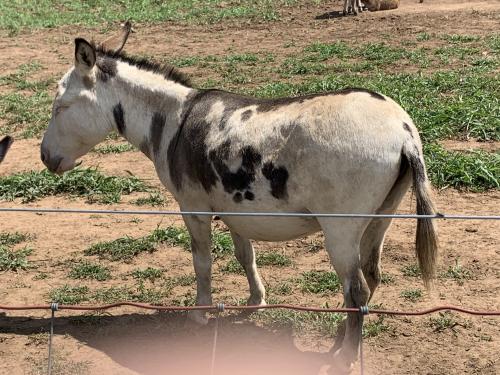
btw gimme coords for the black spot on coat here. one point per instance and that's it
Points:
(278, 177)
(351, 90)
(119, 117)
(407, 128)
(156, 131)
(246, 115)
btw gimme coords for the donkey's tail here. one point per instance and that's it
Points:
(426, 242)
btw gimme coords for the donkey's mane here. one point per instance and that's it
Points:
(166, 70)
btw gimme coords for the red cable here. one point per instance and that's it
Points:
(241, 308)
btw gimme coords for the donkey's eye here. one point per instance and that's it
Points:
(60, 109)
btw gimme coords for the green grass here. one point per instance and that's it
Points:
(282, 289)
(476, 171)
(11, 239)
(153, 199)
(92, 271)
(273, 258)
(412, 295)
(151, 274)
(373, 328)
(458, 273)
(411, 270)
(88, 183)
(319, 282)
(14, 260)
(17, 15)
(69, 295)
(444, 320)
(138, 293)
(26, 106)
(307, 322)
(114, 149)
(386, 278)
(233, 266)
(125, 248)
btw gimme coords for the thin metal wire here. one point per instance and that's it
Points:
(254, 307)
(249, 214)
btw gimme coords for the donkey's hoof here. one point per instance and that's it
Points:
(341, 363)
(197, 318)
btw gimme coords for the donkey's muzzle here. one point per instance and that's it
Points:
(4, 146)
(52, 163)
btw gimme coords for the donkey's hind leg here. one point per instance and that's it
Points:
(342, 241)
(246, 256)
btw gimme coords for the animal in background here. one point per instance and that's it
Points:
(374, 5)
(4, 146)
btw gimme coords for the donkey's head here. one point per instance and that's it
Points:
(77, 122)
(4, 146)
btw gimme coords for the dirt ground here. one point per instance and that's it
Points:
(127, 341)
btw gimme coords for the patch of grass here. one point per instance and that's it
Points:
(319, 282)
(185, 280)
(92, 271)
(411, 270)
(14, 260)
(423, 36)
(386, 278)
(114, 149)
(324, 323)
(281, 289)
(11, 239)
(273, 258)
(173, 236)
(122, 249)
(476, 171)
(233, 266)
(458, 273)
(373, 328)
(27, 107)
(412, 295)
(153, 199)
(140, 293)
(50, 13)
(88, 183)
(444, 321)
(69, 295)
(460, 38)
(28, 114)
(222, 244)
(151, 274)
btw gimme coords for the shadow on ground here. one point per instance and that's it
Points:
(162, 343)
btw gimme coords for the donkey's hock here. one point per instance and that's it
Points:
(5, 143)
(218, 151)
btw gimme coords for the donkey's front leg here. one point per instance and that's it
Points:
(200, 230)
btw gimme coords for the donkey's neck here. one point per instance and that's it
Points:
(143, 105)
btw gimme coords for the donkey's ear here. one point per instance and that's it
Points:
(85, 55)
(4, 146)
(116, 43)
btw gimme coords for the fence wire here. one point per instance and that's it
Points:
(250, 214)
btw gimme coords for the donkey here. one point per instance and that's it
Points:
(5, 144)
(350, 151)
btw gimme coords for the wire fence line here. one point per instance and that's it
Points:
(436, 216)
(221, 307)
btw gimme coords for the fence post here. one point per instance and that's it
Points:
(54, 306)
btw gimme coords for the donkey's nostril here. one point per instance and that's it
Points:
(44, 156)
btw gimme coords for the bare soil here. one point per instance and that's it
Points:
(127, 341)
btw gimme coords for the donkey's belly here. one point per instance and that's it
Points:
(272, 228)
